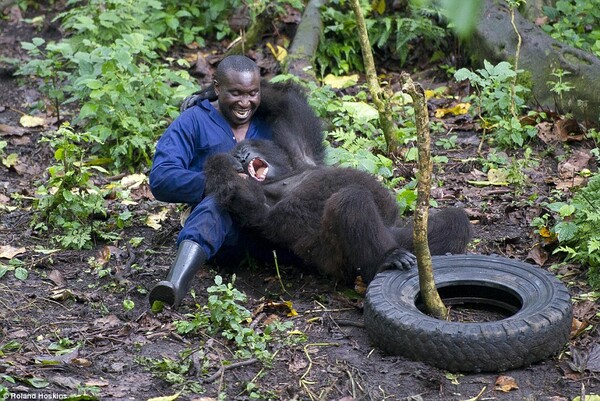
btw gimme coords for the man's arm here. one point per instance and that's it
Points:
(171, 179)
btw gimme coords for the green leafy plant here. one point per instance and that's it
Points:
(225, 315)
(575, 23)
(175, 370)
(498, 100)
(578, 229)
(4, 391)
(161, 22)
(16, 266)
(447, 143)
(390, 32)
(69, 200)
(109, 66)
(49, 63)
(559, 86)
(124, 101)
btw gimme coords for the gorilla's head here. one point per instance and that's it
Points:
(263, 160)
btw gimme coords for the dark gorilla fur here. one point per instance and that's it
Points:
(342, 221)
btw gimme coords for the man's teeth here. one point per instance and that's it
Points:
(242, 114)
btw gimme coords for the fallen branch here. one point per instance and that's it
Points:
(223, 368)
(301, 54)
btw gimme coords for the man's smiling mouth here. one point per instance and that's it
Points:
(242, 114)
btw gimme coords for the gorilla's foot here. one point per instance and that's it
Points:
(190, 258)
(398, 259)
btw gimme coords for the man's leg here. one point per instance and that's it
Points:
(206, 229)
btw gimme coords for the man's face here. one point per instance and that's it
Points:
(238, 96)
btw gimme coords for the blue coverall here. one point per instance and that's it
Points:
(176, 175)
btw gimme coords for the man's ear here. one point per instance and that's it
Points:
(216, 86)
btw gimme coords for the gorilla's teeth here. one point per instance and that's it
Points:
(258, 169)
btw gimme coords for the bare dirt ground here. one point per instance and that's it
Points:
(64, 302)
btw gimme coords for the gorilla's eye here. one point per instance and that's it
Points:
(258, 168)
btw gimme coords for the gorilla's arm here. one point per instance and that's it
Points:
(234, 190)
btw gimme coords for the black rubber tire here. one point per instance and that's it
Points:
(539, 327)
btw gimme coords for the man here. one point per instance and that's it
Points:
(176, 176)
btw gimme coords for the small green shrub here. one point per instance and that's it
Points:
(161, 22)
(578, 229)
(50, 63)
(69, 200)
(498, 102)
(125, 100)
(225, 315)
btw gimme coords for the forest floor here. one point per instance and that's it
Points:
(64, 330)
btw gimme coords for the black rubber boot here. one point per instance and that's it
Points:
(190, 258)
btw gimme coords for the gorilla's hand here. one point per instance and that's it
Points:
(243, 197)
(223, 164)
(398, 259)
(221, 172)
(189, 101)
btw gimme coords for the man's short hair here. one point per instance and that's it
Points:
(236, 63)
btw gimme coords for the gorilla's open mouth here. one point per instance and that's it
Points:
(258, 169)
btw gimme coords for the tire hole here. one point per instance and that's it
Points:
(476, 303)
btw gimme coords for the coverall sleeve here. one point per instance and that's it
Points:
(175, 175)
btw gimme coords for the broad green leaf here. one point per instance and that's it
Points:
(21, 273)
(361, 111)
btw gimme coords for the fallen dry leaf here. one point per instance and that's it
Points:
(505, 384)
(568, 130)
(97, 383)
(578, 161)
(57, 278)
(297, 364)
(10, 130)
(9, 252)
(593, 363)
(133, 181)
(155, 220)
(32, 121)
(538, 254)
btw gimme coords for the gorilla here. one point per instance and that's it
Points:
(342, 221)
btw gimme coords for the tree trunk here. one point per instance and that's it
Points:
(495, 40)
(382, 102)
(431, 298)
(306, 40)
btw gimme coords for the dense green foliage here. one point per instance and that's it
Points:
(576, 23)
(578, 228)
(401, 34)
(499, 102)
(111, 65)
(69, 201)
(225, 315)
